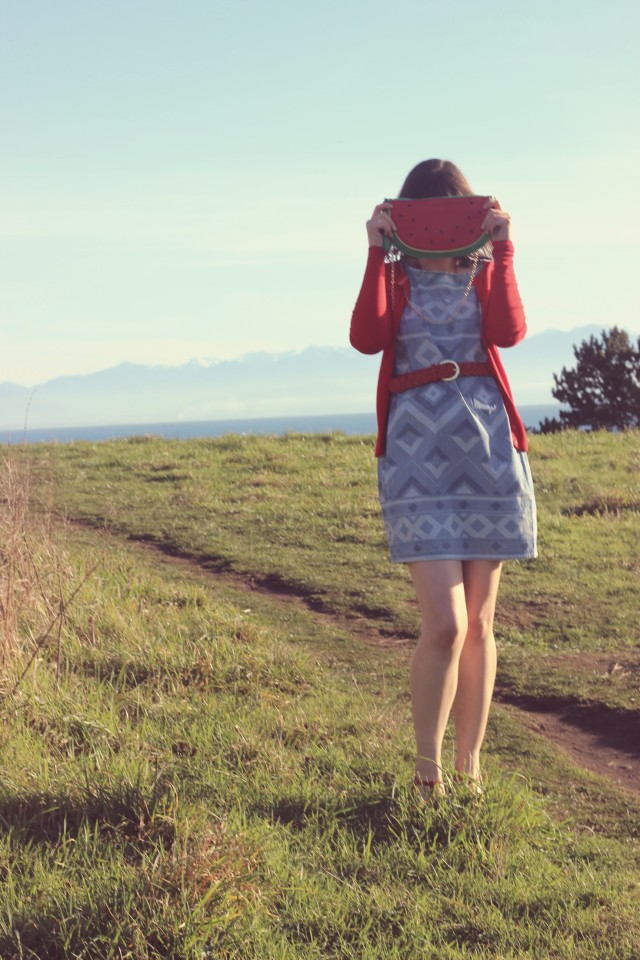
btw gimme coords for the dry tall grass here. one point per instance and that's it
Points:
(35, 575)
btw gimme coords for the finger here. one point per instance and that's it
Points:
(384, 217)
(382, 225)
(495, 218)
(382, 210)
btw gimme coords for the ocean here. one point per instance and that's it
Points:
(349, 423)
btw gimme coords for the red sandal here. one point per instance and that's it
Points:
(435, 788)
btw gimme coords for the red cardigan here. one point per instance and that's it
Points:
(374, 325)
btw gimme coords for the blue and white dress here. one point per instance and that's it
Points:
(451, 483)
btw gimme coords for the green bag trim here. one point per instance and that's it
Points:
(396, 242)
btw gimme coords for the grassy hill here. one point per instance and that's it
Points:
(211, 753)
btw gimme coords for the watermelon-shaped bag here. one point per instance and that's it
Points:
(438, 226)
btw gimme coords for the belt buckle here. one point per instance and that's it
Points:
(456, 370)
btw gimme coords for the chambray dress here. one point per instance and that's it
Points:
(451, 483)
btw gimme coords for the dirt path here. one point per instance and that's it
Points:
(596, 738)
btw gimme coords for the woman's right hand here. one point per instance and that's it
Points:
(380, 225)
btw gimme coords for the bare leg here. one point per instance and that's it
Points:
(440, 590)
(477, 663)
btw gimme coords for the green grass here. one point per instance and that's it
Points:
(221, 773)
(300, 513)
(199, 786)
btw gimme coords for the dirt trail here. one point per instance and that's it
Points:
(597, 739)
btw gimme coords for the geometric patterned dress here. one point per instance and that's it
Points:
(451, 483)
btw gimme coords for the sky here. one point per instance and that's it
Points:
(191, 178)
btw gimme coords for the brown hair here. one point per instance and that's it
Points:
(435, 178)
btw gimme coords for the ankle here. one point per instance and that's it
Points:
(473, 784)
(429, 790)
(468, 767)
(428, 771)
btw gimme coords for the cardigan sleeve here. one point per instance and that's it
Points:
(504, 322)
(371, 322)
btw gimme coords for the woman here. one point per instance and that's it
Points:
(453, 475)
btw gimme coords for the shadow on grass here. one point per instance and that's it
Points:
(122, 811)
(602, 507)
(400, 816)
(378, 817)
(120, 920)
(92, 935)
(123, 673)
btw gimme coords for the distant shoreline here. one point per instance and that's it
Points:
(349, 423)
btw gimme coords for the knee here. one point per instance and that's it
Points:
(479, 628)
(446, 633)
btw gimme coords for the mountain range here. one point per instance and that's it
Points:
(316, 380)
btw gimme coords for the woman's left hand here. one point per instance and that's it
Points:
(497, 222)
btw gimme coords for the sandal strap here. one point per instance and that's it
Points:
(420, 782)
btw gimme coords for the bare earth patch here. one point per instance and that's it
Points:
(596, 738)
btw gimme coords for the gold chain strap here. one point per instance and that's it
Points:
(393, 291)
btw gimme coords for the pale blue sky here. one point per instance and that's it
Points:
(182, 177)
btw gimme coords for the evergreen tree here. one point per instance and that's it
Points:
(603, 391)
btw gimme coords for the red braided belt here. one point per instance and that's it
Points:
(445, 370)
